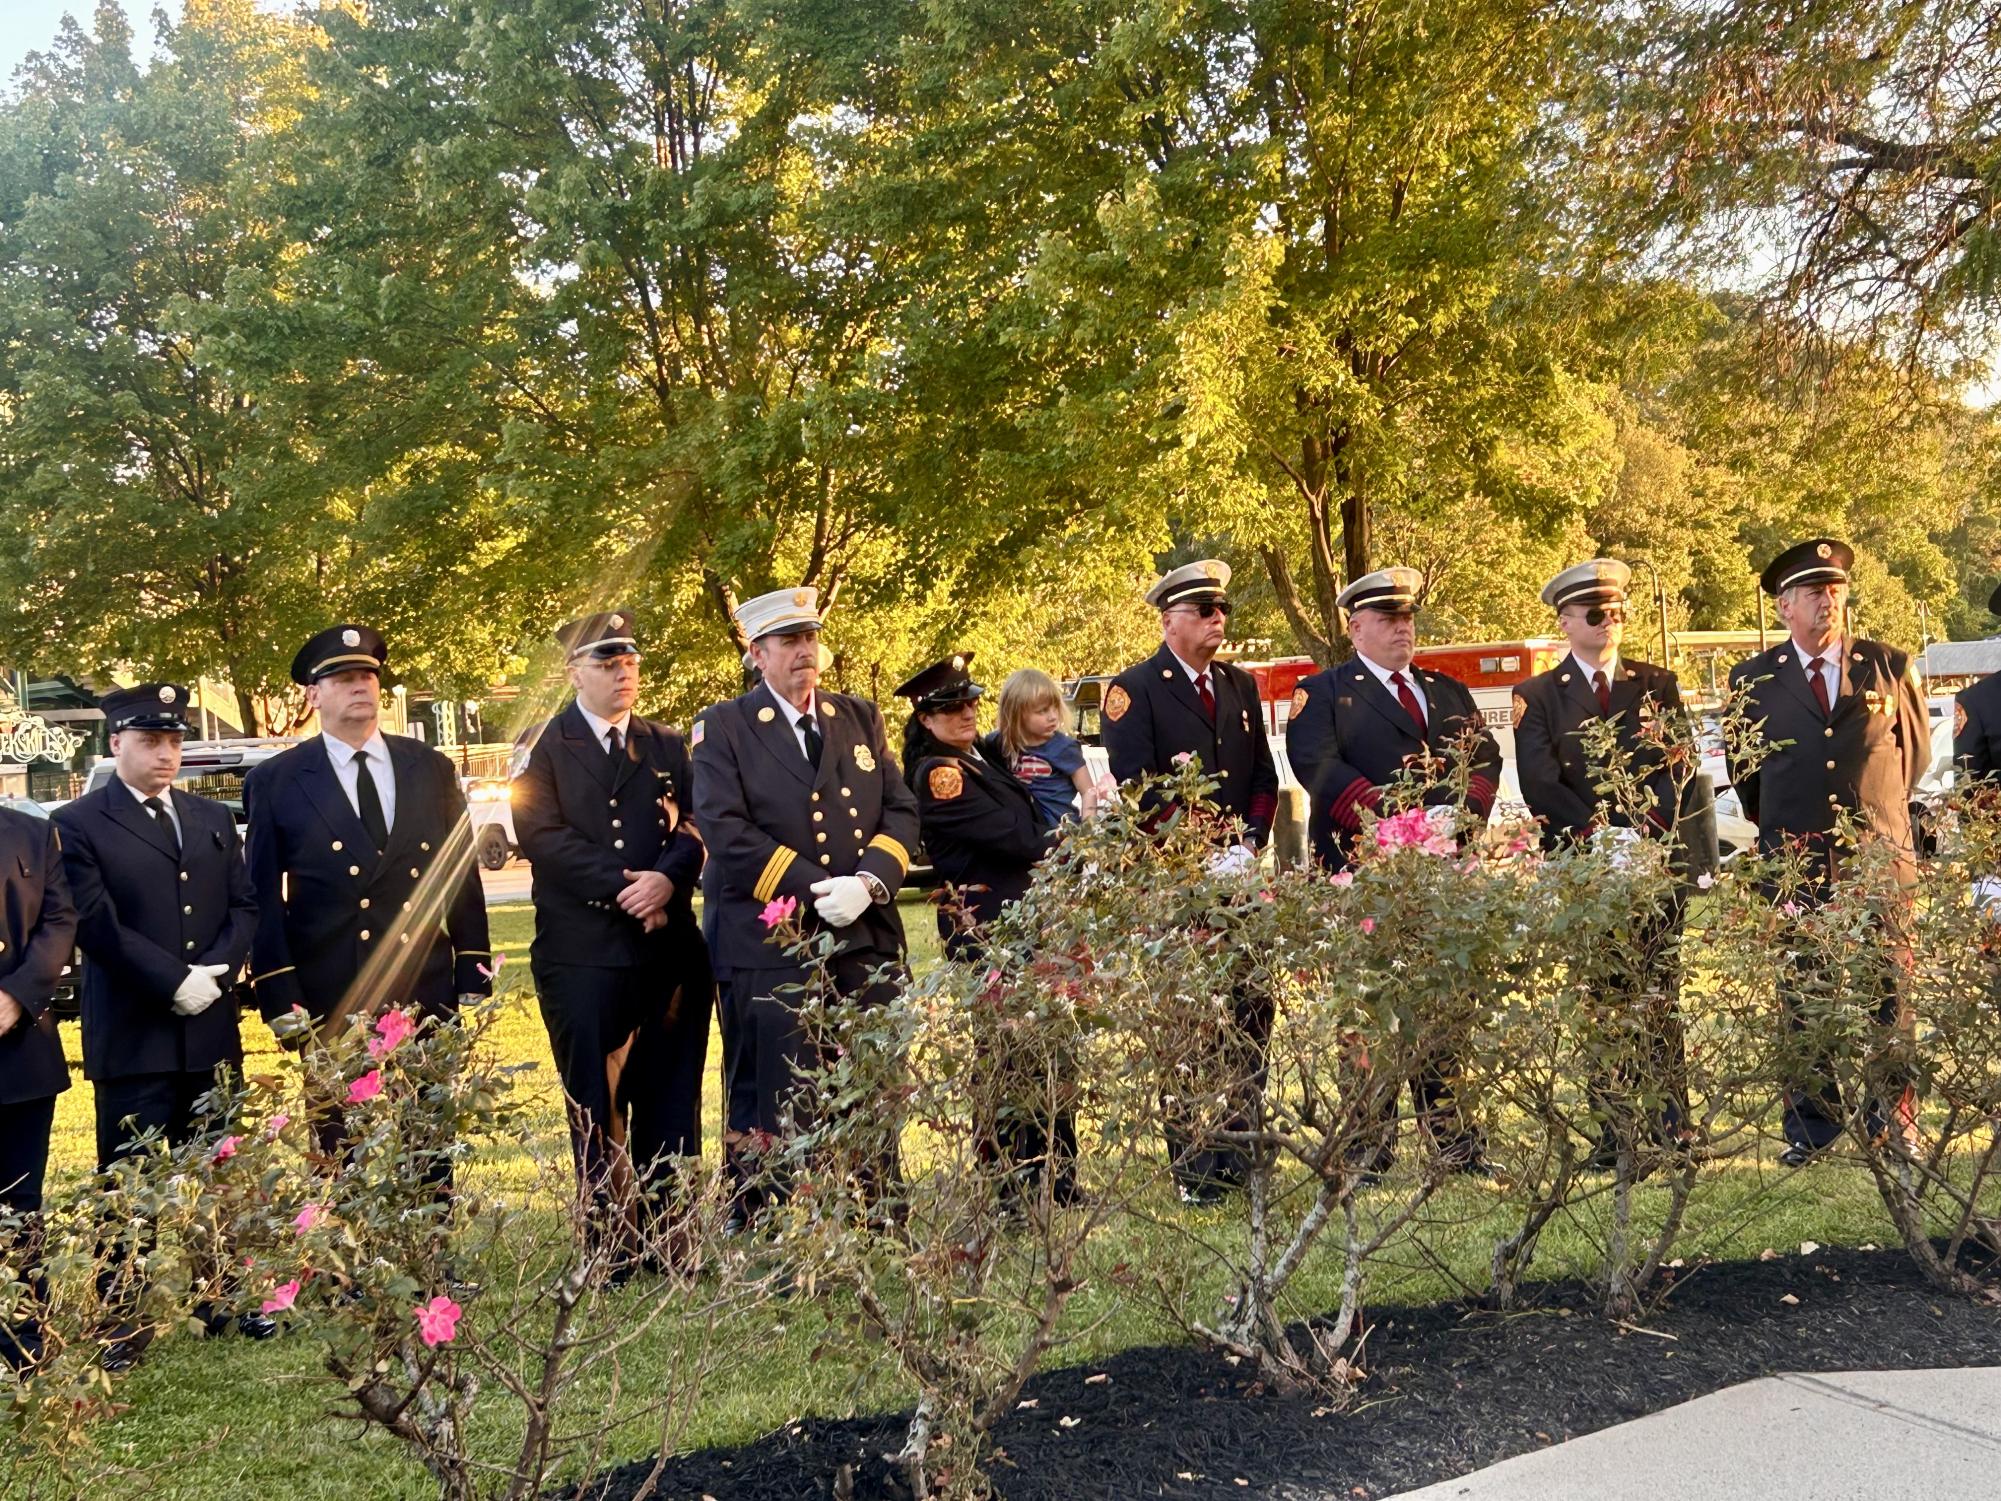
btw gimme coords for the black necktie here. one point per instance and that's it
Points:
(159, 811)
(614, 743)
(814, 743)
(369, 801)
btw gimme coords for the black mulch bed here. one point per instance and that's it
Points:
(1450, 1389)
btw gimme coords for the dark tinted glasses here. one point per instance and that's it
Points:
(1210, 608)
(1599, 614)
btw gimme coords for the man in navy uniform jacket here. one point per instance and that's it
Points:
(1356, 729)
(1976, 720)
(798, 797)
(37, 935)
(165, 919)
(604, 812)
(361, 856)
(1849, 723)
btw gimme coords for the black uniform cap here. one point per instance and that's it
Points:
(942, 685)
(1821, 561)
(605, 634)
(146, 706)
(340, 648)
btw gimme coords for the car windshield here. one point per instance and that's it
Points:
(223, 783)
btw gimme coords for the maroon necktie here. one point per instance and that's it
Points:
(1208, 699)
(1604, 692)
(1814, 670)
(1409, 702)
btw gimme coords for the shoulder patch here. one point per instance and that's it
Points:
(946, 782)
(1958, 718)
(1298, 701)
(1521, 708)
(695, 735)
(1116, 703)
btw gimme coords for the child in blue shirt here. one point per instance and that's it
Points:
(1033, 746)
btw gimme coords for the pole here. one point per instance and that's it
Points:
(1660, 608)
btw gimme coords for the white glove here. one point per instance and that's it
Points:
(1442, 816)
(200, 990)
(1618, 842)
(840, 899)
(1233, 861)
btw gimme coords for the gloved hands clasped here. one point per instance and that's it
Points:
(840, 899)
(201, 989)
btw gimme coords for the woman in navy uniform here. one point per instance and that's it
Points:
(984, 838)
(1356, 729)
(799, 800)
(603, 810)
(1849, 728)
(37, 937)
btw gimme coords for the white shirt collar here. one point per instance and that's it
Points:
(1832, 654)
(1194, 673)
(165, 794)
(1610, 669)
(1383, 673)
(599, 727)
(343, 754)
(785, 708)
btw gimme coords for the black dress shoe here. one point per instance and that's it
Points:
(1800, 1153)
(256, 1325)
(1203, 1193)
(124, 1343)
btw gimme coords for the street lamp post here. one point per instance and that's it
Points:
(1660, 606)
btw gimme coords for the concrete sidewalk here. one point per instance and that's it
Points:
(1853, 1436)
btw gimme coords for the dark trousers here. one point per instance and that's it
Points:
(629, 1044)
(1813, 1110)
(1031, 1131)
(24, 1163)
(1652, 987)
(152, 1102)
(770, 1051)
(1198, 1163)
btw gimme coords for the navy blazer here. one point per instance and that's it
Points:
(144, 915)
(1349, 737)
(334, 917)
(37, 938)
(984, 836)
(582, 822)
(775, 825)
(1559, 781)
(1151, 714)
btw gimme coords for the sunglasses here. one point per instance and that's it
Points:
(1211, 608)
(1599, 614)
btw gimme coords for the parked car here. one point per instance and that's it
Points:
(211, 768)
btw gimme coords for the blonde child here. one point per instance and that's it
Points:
(1033, 746)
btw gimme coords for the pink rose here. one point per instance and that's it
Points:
(438, 1321)
(1343, 878)
(283, 1296)
(492, 973)
(226, 1148)
(1368, 925)
(276, 1124)
(367, 1087)
(777, 910)
(308, 1217)
(1182, 758)
(392, 1028)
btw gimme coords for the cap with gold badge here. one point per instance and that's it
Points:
(782, 612)
(146, 706)
(942, 685)
(1203, 583)
(1824, 560)
(1392, 590)
(1602, 581)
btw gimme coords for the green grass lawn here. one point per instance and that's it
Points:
(218, 1420)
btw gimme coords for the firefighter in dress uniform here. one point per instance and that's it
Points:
(164, 920)
(1976, 721)
(603, 811)
(1354, 730)
(37, 937)
(360, 857)
(1559, 781)
(799, 800)
(984, 838)
(1181, 703)
(1849, 723)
